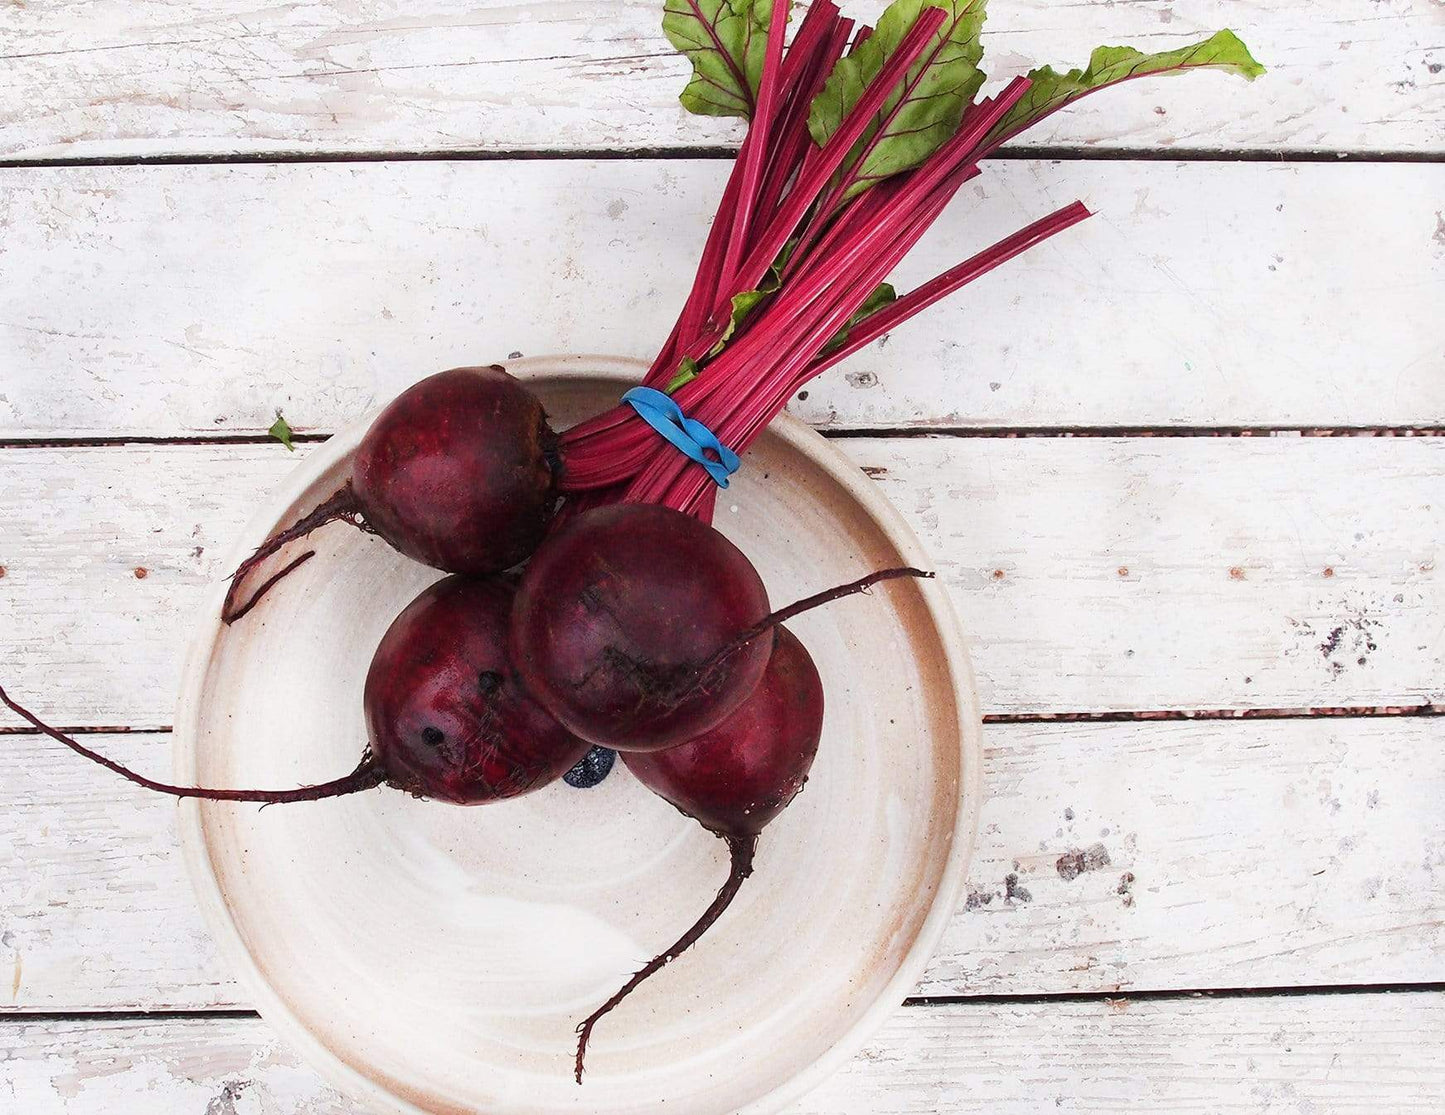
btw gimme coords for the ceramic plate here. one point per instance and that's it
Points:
(433, 958)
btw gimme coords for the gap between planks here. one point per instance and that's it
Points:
(1061, 432)
(201, 1014)
(521, 154)
(1139, 716)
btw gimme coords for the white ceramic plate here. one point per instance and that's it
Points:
(433, 958)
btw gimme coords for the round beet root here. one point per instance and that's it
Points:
(734, 780)
(457, 472)
(445, 714)
(620, 621)
(737, 777)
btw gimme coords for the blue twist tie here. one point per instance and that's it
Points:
(691, 437)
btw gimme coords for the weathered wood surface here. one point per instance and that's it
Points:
(1111, 857)
(1094, 574)
(1321, 1054)
(101, 79)
(184, 300)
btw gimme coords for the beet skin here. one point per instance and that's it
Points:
(457, 471)
(444, 712)
(619, 621)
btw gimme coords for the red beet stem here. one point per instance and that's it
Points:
(807, 604)
(915, 301)
(819, 43)
(754, 155)
(704, 290)
(812, 179)
(364, 777)
(826, 284)
(341, 505)
(830, 203)
(741, 849)
(725, 234)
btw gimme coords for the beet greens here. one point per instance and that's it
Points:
(857, 139)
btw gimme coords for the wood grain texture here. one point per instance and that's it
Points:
(1131, 856)
(106, 79)
(1093, 574)
(1318, 1054)
(180, 300)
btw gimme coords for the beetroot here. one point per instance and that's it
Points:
(457, 472)
(444, 713)
(734, 780)
(618, 620)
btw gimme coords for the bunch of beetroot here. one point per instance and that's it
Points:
(633, 627)
(590, 603)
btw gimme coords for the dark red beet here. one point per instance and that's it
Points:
(444, 711)
(457, 472)
(445, 715)
(619, 620)
(734, 780)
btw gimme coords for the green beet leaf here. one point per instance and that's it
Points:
(281, 431)
(743, 304)
(926, 107)
(687, 369)
(882, 295)
(725, 40)
(1109, 65)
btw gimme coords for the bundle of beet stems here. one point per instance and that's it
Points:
(857, 140)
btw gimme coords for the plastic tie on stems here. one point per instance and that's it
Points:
(692, 439)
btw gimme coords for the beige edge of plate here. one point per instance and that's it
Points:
(390, 1090)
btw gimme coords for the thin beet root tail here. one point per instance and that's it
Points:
(366, 776)
(341, 505)
(797, 608)
(232, 616)
(742, 849)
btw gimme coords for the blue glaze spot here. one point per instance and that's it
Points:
(594, 767)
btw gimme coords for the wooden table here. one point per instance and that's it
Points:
(1179, 467)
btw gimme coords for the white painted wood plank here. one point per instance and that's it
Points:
(1317, 1054)
(1111, 856)
(1156, 573)
(1094, 574)
(1215, 854)
(102, 78)
(96, 911)
(174, 300)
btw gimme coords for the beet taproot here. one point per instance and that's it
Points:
(733, 780)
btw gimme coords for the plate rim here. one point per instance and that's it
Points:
(799, 436)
